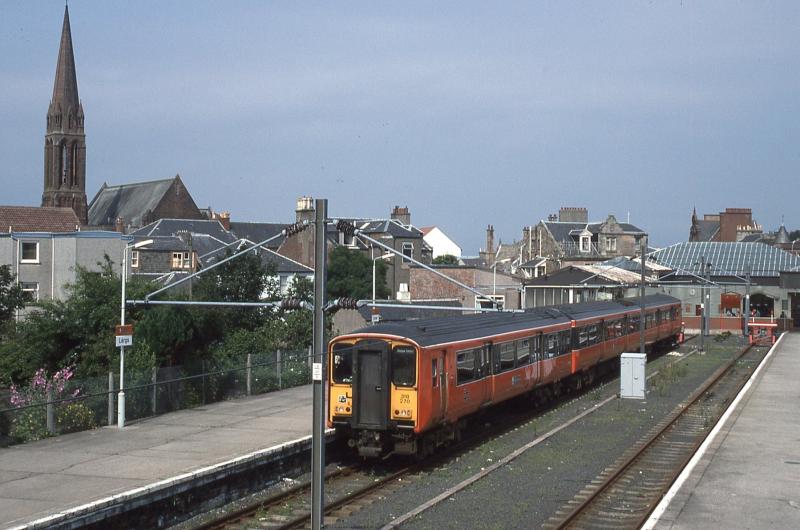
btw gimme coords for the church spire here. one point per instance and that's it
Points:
(65, 87)
(65, 141)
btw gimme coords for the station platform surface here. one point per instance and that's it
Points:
(749, 475)
(48, 477)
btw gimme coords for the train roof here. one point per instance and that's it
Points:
(432, 331)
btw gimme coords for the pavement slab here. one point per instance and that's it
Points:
(53, 475)
(750, 476)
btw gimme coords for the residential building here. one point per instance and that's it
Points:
(581, 283)
(496, 285)
(440, 243)
(45, 262)
(569, 239)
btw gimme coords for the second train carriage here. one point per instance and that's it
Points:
(407, 387)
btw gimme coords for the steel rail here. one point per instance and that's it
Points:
(625, 466)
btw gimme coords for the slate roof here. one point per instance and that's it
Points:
(171, 227)
(586, 275)
(708, 229)
(284, 264)
(163, 243)
(258, 232)
(38, 219)
(564, 231)
(393, 227)
(727, 259)
(128, 201)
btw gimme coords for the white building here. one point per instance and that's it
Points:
(439, 242)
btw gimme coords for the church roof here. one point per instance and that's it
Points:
(65, 87)
(38, 219)
(128, 201)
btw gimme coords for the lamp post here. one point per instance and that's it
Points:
(374, 262)
(494, 278)
(121, 394)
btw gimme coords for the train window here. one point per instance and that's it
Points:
(507, 354)
(404, 366)
(465, 365)
(550, 345)
(593, 333)
(343, 363)
(565, 343)
(434, 373)
(495, 349)
(523, 352)
(633, 324)
(583, 337)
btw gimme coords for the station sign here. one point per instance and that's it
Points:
(124, 335)
(316, 372)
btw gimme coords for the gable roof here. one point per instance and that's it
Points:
(128, 201)
(567, 231)
(708, 229)
(258, 232)
(38, 219)
(171, 227)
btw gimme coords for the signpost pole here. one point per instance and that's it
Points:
(121, 394)
(318, 368)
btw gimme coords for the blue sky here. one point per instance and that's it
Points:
(469, 113)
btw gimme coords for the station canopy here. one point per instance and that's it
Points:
(727, 259)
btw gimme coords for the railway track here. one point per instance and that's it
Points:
(625, 494)
(350, 488)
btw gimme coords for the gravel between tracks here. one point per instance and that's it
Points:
(528, 490)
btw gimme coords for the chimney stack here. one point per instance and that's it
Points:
(305, 209)
(225, 220)
(490, 239)
(402, 215)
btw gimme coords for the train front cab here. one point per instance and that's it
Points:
(373, 393)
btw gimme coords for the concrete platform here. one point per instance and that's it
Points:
(749, 475)
(50, 477)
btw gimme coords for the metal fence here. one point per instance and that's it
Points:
(149, 393)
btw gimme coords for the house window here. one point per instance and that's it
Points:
(408, 250)
(541, 270)
(30, 290)
(30, 252)
(611, 244)
(134, 259)
(584, 243)
(181, 260)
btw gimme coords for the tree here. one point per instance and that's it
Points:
(794, 234)
(244, 279)
(350, 275)
(11, 295)
(445, 259)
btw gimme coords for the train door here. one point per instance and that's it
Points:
(371, 385)
(536, 356)
(438, 384)
(486, 389)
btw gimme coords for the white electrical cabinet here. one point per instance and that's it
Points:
(632, 379)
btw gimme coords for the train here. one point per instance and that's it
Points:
(408, 387)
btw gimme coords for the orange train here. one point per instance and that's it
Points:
(406, 388)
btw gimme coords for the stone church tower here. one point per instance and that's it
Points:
(65, 141)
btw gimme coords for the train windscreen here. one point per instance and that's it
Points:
(343, 363)
(404, 366)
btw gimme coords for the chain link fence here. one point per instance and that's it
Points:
(92, 402)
